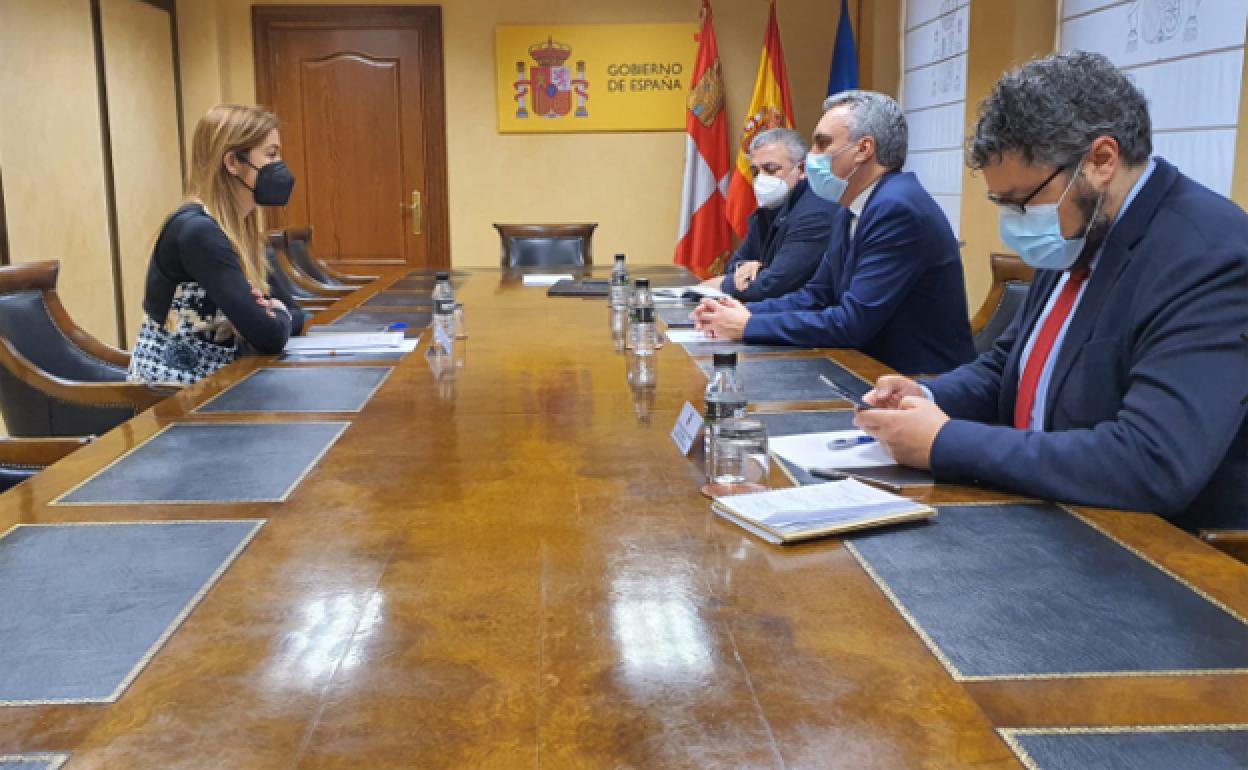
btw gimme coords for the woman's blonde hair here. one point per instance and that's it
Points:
(225, 129)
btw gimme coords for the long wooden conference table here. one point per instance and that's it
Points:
(511, 566)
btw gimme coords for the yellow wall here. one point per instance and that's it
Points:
(628, 183)
(51, 150)
(143, 121)
(1003, 35)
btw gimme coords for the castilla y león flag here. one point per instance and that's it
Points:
(770, 108)
(705, 240)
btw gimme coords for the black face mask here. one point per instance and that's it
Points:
(273, 183)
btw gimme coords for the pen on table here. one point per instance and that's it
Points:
(852, 441)
(832, 474)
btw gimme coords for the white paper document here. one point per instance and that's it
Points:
(811, 450)
(545, 279)
(686, 336)
(344, 342)
(836, 505)
(677, 292)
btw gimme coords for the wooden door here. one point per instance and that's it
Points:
(359, 93)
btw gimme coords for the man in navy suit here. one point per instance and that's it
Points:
(788, 232)
(1120, 382)
(891, 282)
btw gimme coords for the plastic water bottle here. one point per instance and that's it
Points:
(642, 332)
(444, 306)
(725, 399)
(619, 283)
(642, 370)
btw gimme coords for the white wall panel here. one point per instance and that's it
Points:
(934, 96)
(1187, 58)
(937, 127)
(939, 170)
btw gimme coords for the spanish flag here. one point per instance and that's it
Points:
(771, 107)
(705, 240)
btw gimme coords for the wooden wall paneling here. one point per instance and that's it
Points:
(143, 138)
(50, 148)
(4, 226)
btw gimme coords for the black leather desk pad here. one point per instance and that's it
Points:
(1182, 747)
(730, 346)
(404, 299)
(794, 423)
(426, 282)
(87, 606)
(675, 316)
(794, 379)
(372, 319)
(212, 463)
(307, 389)
(586, 287)
(1029, 590)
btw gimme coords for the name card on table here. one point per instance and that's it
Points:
(688, 425)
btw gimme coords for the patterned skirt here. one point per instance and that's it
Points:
(189, 346)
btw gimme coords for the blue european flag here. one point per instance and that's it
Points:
(844, 73)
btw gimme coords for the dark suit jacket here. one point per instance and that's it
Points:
(789, 242)
(1143, 411)
(895, 292)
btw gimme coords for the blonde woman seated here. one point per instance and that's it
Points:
(208, 298)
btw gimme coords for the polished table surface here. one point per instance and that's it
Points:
(512, 567)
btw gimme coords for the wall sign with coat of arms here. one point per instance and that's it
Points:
(598, 77)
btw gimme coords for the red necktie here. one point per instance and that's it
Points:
(1043, 346)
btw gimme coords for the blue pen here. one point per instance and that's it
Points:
(846, 443)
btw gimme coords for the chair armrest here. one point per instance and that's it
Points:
(40, 452)
(80, 337)
(1233, 542)
(138, 396)
(355, 280)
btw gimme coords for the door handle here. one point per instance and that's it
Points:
(418, 211)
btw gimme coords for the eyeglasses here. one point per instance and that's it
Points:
(1021, 206)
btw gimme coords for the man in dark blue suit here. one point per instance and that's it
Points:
(788, 232)
(891, 282)
(1120, 382)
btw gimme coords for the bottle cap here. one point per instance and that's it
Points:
(721, 360)
(642, 283)
(442, 276)
(397, 326)
(619, 257)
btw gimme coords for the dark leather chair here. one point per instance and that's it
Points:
(22, 458)
(1010, 281)
(312, 286)
(55, 378)
(299, 249)
(547, 245)
(1233, 542)
(308, 302)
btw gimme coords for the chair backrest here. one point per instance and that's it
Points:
(27, 298)
(299, 249)
(1011, 279)
(278, 276)
(569, 245)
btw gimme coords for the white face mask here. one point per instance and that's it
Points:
(770, 191)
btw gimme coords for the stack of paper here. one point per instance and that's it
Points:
(351, 342)
(814, 450)
(801, 513)
(694, 293)
(545, 279)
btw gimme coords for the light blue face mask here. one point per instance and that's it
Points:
(826, 184)
(1036, 234)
